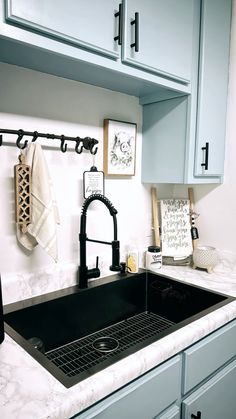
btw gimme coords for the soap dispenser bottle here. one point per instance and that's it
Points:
(132, 260)
(1, 316)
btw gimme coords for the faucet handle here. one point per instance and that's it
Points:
(94, 272)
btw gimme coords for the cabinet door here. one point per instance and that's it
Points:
(211, 353)
(212, 89)
(144, 398)
(164, 32)
(90, 24)
(216, 399)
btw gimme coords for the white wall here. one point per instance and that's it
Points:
(34, 101)
(217, 204)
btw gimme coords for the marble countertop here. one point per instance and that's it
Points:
(28, 391)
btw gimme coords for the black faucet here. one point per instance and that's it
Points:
(84, 272)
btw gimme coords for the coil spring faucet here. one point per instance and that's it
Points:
(84, 272)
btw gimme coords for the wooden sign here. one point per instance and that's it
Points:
(176, 228)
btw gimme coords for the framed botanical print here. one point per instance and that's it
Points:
(119, 148)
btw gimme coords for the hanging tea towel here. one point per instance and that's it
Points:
(45, 216)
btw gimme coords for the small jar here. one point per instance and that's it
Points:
(153, 258)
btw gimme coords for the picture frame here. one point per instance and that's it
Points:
(119, 148)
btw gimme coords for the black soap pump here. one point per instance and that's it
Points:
(1, 316)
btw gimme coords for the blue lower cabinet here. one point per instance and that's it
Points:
(216, 399)
(145, 398)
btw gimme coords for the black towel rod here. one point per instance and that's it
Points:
(86, 143)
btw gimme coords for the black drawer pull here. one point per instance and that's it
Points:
(197, 416)
(206, 148)
(119, 14)
(135, 22)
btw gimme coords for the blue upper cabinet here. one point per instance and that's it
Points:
(88, 24)
(83, 40)
(184, 138)
(154, 35)
(212, 88)
(158, 36)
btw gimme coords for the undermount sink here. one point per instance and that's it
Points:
(75, 333)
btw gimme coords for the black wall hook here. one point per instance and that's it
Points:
(35, 136)
(63, 145)
(89, 144)
(78, 142)
(18, 141)
(93, 151)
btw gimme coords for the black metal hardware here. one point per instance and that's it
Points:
(120, 16)
(197, 416)
(18, 141)
(63, 144)
(86, 143)
(35, 136)
(206, 148)
(135, 22)
(97, 259)
(77, 149)
(89, 144)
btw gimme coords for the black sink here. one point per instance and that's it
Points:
(74, 333)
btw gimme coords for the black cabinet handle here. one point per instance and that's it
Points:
(206, 148)
(119, 15)
(135, 22)
(197, 416)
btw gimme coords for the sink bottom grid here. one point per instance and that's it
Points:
(81, 355)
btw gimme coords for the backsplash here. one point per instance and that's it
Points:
(61, 106)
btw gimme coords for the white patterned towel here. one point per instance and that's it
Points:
(45, 216)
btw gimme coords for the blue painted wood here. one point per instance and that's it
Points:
(34, 50)
(213, 82)
(145, 398)
(164, 141)
(216, 399)
(165, 36)
(91, 24)
(206, 356)
(205, 113)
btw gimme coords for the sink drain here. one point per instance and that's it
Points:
(105, 344)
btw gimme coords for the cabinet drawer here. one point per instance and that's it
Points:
(205, 357)
(144, 398)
